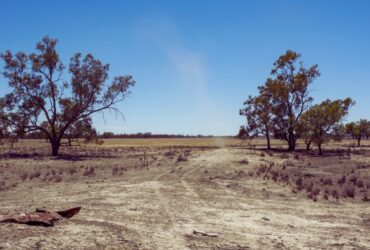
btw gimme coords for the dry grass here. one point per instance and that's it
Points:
(223, 190)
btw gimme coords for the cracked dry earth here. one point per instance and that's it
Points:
(162, 207)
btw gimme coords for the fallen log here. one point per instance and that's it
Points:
(205, 234)
(40, 217)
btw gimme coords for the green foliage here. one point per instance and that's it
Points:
(243, 133)
(290, 95)
(257, 111)
(107, 135)
(39, 91)
(282, 100)
(323, 121)
(82, 128)
(358, 130)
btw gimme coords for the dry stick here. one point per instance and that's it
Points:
(205, 234)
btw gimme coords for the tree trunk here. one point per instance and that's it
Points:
(291, 140)
(320, 150)
(359, 142)
(308, 145)
(55, 145)
(268, 140)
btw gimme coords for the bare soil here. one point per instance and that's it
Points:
(187, 197)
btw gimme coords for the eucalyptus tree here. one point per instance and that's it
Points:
(40, 91)
(82, 128)
(257, 111)
(289, 92)
(243, 133)
(359, 130)
(323, 121)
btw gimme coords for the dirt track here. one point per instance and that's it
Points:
(162, 207)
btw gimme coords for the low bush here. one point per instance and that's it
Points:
(35, 174)
(244, 162)
(90, 172)
(182, 157)
(23, 176)
(328, 181)
(349, 191)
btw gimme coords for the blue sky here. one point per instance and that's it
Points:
(195, 62)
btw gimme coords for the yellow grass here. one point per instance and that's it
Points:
(192, 142)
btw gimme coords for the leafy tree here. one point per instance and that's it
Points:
(323, 121)
(39, 90)
(107, 135)
(2, 131)
(3, 125)
(257, 111)
(82, 128)
(306, 132)
(359, 130)
(242, 134)
(290, 95)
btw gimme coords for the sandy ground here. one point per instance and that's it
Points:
(164, 205)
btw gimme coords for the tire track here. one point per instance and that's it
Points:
(176, 240)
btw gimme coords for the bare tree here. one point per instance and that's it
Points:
(39, 91)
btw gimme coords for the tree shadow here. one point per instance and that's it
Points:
(312, 152)
(65, 157)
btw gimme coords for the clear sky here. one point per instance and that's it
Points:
(195, 62)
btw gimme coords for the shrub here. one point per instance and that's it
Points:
(299, 183)
(115, 171)
(89, 172)
(353, 179)
(284, 156)
(245, 161)
(58, 178)
(35, 174)
(328, 182)
(360, 184)
(169, 153)
(72, 170)
(274, 175)
(285, 177)
(309, 187)
(312, 196)
(23, 176)
(99, 141)
(349, 191)
(316, 191)
(182, 157)
(335, 194)
(365, 198)
(342, 180)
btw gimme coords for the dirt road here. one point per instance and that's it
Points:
(202, 203)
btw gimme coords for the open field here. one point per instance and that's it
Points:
(208, 193)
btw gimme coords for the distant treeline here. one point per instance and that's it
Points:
(109, 135)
